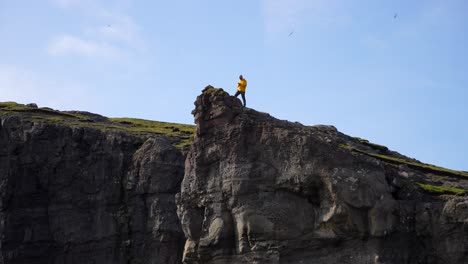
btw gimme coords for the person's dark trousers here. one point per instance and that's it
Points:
(243, 96)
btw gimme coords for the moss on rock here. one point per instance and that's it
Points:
(439, 190)
(415, 165)
(211, 90)
(181, 133)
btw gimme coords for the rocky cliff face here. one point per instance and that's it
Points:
(80, 188)
(83, 194)
(261, 190)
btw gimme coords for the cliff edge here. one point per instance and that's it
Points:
(261, 190)
(77, 187)
(240, 187)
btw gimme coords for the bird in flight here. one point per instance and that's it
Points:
(291, 33)
(395, 16)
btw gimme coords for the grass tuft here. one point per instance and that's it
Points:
(372, 145)
(419, 166)
(134, 125)
(181, 134)
(433, 189)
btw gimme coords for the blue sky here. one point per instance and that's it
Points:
(400, 82)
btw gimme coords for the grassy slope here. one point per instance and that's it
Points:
(431, 171)
(434, 189)
(415, 165)
(183, 134)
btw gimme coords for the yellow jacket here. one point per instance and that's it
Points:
(241, 85)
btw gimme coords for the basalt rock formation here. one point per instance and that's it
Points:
(77, 188)
(261, 190)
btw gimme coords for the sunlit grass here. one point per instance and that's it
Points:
(421, 166)
(182, 133)
(433, 189)
(372, 145)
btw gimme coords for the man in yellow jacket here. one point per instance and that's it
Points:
(241, 85)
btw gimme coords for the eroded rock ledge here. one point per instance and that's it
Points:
(78, 194)
(261, 190)
(77, 187)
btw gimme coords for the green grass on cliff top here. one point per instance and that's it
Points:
(438, 190)
(426, 168)
(420, 166)
(6, 107)
(181, 132)
(372, 145)
(135, 125)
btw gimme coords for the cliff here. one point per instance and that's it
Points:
(261, 190)
(241, 187)
(80, 188)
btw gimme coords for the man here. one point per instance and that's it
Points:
(241, 85)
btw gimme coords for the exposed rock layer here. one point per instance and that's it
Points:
(72, 194)
(261, 190)
(76, 187)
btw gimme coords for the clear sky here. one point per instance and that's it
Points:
(393, 72)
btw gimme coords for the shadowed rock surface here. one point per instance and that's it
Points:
(76, 194)
(261, 190)
(77, 187)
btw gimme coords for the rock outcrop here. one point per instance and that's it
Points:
(77, 187)
(78, 194)
(261, 190)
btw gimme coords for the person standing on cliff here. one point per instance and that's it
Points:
(241, 85)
